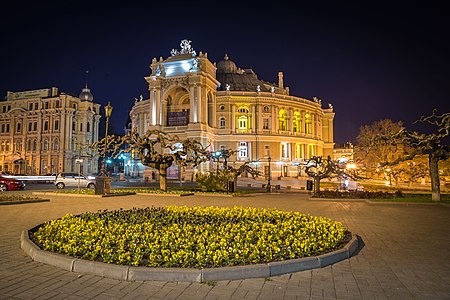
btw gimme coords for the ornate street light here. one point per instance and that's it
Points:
(268, 178)
(108, 112)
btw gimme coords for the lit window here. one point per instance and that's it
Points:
(243, 149)
(308, 123)
(296, 122)
(282, 120)
(285, 149)
(242, 122)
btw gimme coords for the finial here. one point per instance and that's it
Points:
(87, 77)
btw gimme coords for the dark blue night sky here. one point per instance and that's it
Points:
(371, 61)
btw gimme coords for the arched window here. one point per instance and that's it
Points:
(45, 145)
(222, 123)
(282, 122)
(55, 144)
(307, 123)
(18, 145)
(34, 145)
(296, 122)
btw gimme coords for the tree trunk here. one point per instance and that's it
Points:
(434, 176)
(163, 177)
(316, 186)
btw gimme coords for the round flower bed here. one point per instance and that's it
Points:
(190, 236)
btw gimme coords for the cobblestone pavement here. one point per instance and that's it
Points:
(405, 254)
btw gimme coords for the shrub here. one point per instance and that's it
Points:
(215, 181)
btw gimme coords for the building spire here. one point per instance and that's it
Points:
(87, 78)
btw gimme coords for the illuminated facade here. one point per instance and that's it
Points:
(230, 108)
(44, 131)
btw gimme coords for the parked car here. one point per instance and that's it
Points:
(10, 184)
(74, 180)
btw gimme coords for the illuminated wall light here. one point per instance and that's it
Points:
(186, 66)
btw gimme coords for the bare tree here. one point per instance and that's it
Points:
(319, 168)
(155, 149)
(234, 172)
(430, 144)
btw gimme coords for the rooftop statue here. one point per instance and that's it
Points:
(186, 48)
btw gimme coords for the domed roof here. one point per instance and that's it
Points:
(235, 79)
(226, 66)
(86, 94)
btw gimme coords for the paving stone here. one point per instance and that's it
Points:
(398, 260)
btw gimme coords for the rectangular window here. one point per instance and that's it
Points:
(3, 128)
(19, 127)
(222, 123)
(46, 105)
(7, 127)
(285, 150)
(243, 150)
(35, 126)
(265, 123)
(30, 126)
(46, 125)
(36, 106)
(267, 150)
(30, 106)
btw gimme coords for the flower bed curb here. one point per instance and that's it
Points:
(165, 195)
(185, 274)
(24, 201)
(82, 195)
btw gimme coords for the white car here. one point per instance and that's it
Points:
(74, 180)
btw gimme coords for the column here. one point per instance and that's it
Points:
(233, 118)
(254, 116)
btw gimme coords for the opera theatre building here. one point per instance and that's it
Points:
(228, 107)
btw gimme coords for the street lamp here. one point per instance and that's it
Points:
(268, 177)
(108, 112)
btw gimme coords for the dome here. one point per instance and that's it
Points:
(86, 94)
(226, 66)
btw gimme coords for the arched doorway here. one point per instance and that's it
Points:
(177, 107)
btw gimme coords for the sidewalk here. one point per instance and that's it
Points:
(405, 255)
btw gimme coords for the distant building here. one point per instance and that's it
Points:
(343, 152)
(45, 131)
(227, 107)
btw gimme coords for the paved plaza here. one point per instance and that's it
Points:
(405, 254)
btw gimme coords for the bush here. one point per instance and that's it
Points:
(190, 237)
(357, 194)
(215, 181)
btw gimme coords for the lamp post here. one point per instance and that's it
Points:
(268, 177)
(108, 112)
